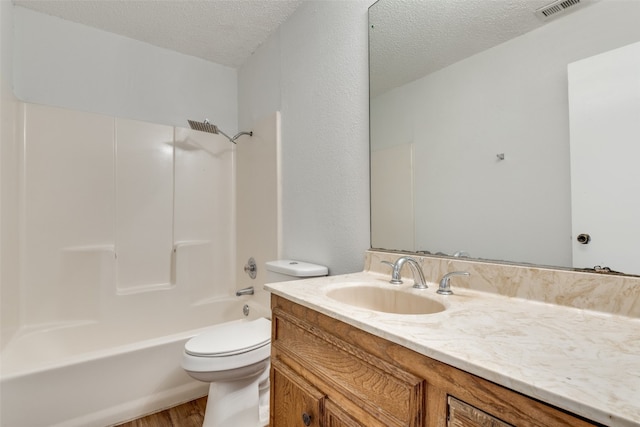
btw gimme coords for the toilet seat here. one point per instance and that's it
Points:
(231, 339)
(229, 346)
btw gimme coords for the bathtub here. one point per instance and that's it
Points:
(99, 375)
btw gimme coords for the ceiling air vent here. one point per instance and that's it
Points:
(556, 8)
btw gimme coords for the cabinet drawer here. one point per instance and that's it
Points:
(374, 385)
(464, 415)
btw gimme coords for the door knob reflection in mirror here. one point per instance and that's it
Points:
(583, 238)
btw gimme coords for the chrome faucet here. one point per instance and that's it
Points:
(245, 291)
(418, 276)
(445, 286)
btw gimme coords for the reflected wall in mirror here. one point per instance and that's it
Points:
(472, 130)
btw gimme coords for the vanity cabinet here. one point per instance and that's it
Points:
(342, 376)
(359, 388)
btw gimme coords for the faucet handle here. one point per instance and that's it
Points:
(390, 264)
(395, 272)
(445, 286)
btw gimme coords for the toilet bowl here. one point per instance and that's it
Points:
(234, 359)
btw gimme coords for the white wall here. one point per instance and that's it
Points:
(69, 65)
(314, 70)
(511, 99)
(9, 290)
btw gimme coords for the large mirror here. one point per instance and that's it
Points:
(478, 128)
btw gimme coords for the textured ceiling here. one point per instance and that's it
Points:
(226, 32)
(443, 32)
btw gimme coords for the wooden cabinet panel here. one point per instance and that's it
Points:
(293, 398)
(463, 415)
(375, 385)
(334, 416)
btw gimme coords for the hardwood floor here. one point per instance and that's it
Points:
(190, 414)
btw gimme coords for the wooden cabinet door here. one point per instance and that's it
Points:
(464, 415)
(334, 416)
(373, 391)
(296, 402)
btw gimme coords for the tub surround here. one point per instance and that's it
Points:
(113, 306)
(566, 338)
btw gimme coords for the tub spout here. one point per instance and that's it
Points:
(245, 291)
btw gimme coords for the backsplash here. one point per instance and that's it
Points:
(613, 294)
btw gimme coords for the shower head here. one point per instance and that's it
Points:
(207, 126)
(204, 126)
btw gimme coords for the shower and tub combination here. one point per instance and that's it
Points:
(128, 250)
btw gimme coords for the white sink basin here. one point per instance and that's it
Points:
(386, 300)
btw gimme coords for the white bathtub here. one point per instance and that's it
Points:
(99, 375)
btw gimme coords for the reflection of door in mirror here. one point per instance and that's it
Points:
(604, 107)
(392, 223)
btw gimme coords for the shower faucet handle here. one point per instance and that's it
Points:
(251, 268)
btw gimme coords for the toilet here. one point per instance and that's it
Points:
(234, 358)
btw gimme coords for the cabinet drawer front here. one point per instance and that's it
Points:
(373, 384)
(464, 415)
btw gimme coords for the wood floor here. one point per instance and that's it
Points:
(190, 414)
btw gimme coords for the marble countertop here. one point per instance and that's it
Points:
(583, 361)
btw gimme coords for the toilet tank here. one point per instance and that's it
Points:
(286, 269)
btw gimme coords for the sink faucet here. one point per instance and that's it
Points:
(418, 276)
(445, 286)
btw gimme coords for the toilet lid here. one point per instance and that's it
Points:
(231, 338)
